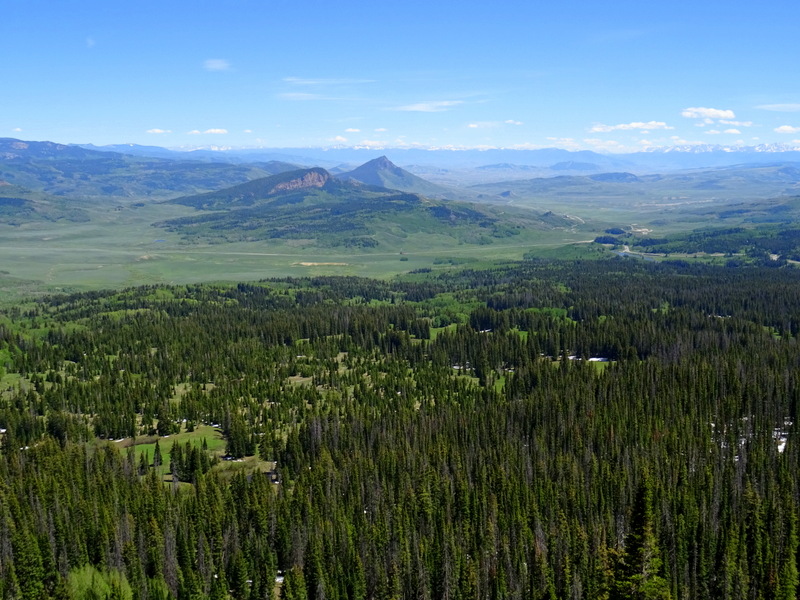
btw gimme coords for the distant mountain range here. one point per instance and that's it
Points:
(129, 171)
(724, 184)
(673, 157)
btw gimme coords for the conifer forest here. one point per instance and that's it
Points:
(605, 429)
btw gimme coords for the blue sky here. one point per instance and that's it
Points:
(607, 76)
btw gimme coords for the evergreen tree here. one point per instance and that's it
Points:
(640, 573)
(157, 456)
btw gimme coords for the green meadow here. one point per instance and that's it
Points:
(119, 247)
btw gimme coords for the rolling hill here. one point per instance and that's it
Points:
(624, 189)
(62, 170)
(19, 206)
(314, 208)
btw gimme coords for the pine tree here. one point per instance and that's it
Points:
(294, 585)
(157, 456)
(641, 562)
(788, 578)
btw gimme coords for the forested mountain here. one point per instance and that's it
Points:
(19, 205)
(312, 206)
(63, 170)
(602, 429)
(384, 173)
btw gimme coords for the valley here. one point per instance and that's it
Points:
(90, 219)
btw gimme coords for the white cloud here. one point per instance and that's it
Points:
(780, 107)
(247, 131)
(787, 129)
(568, 143)
(484, 124)
(339, 139)
(608, 145)
(435, 106)
(679, 141)
(718, 132)
(158, 131)
(381, 129)
(216, 64)
(352, 130)
(372, 144)
(17, 130)
(512, 122)
(214, 131)
(700, 112)
(737, 123)
(600, 128)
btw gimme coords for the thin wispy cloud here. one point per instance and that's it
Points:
(679, 141)
(483, 124)
(435, 106)
(305, 96)
(380, 129)
(737, 123)
(157, 131)
(17, 130)
(372, 144)
(562, 142)
(636, 125)
(216, 64)
(299, 96)
(787, 129)
(791, 107)
(512, 122)
(598, 144)
(211, 131)
(699, 112)
(311, 81)
(90, 43)
(352, 130)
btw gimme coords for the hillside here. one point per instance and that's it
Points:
(62, 170)
(314, 208)
(18, 206)
(384, 173)
(625, 189)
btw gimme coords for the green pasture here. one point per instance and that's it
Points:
(119, 247)
(212, 436)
